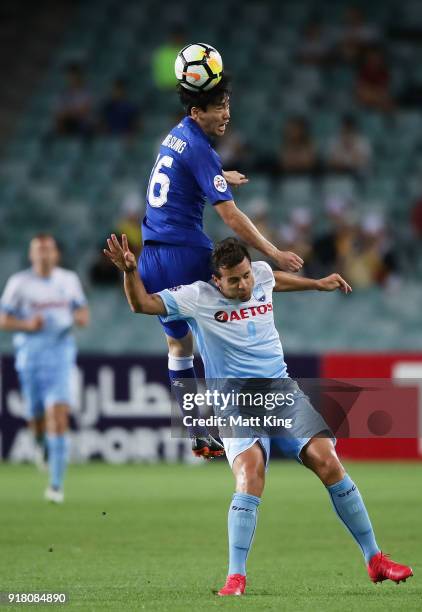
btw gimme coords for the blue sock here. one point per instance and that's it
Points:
(351, 510)
(182, 368)
(57, 459)
(243, 513)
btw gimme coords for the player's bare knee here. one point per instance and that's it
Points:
(57, 420)
(328, 468)
(249, 471)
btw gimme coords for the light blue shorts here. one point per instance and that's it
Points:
(44, 387)
(307, 423)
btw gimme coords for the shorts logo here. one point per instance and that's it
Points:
(175, 288)
(221, 316)
(220, 183)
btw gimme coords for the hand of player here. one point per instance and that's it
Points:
(34, 324)
(121, 256)
(333, 282)
(288, 261)
(235, 178)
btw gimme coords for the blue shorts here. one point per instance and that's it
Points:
(162, 266)
(44, 387)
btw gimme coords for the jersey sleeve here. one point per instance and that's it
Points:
(206, 167)
(264, 272)
(10, 301)
(180, 302)
(77, 293)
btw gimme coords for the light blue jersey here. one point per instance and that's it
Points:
(235, 339)
(54, 298)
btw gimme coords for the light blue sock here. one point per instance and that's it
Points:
(57, 459)
(351, 510)
(243, 513)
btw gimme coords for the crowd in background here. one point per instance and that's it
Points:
(358, 245)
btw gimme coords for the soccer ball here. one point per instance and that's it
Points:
(198, 67)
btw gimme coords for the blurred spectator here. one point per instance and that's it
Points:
(74, 106)
(102, 271)
(416, 218)
(233, 151)
(298, 151)
(119, 116)
(129, 223)
(332, 247)
(164, 57)
(296, 235)
(315, 44)
(371, 261)
(258, 209)
(356, 35)
(350, 150)
(373, 86)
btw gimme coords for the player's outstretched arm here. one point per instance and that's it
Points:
(290, 282)
(246, 230)
(235, 178)
(123, 258)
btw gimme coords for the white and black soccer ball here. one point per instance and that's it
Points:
(198, 67)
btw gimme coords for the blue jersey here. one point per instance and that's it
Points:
(187, 172)
(235, 339)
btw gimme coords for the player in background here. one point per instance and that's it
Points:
(41, 305)
(230, 350)
(187, 172)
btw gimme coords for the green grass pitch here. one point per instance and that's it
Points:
(161, 544)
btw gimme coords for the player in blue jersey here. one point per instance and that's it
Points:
(220, 314)
(41, 305)
(186, 174)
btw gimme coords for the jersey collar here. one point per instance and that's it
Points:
(192, 124)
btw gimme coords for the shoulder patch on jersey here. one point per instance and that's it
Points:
(175, 288)
(220, 183)
(258, 293)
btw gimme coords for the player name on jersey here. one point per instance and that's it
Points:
(174, 143)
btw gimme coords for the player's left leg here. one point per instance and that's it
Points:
(37, 426)
(163, 266)
(319, 455)
(57, 425)
(183, 381)
(249, 472)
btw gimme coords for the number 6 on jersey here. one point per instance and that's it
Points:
(160, 182)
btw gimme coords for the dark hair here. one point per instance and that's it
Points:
(227, 254)
(202, 99)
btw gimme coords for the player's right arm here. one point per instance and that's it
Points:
(9, 322)
(139, 300)
(11, 318)
(246, 230)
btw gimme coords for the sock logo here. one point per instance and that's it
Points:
(240, 508)
(347, 492)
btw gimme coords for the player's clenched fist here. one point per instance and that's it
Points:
(288, 261)
(120, 255)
